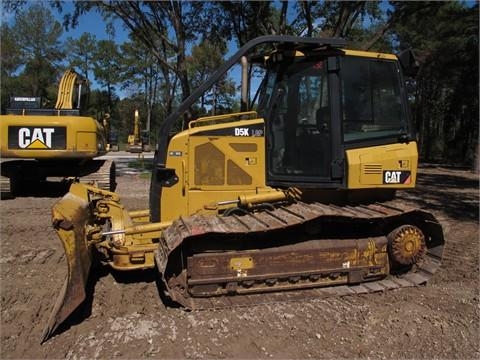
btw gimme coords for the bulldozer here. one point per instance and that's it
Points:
(53, 142)
(138, 141)
(292, 197)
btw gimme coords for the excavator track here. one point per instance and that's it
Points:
(103, 177)
(5, 187)
(373, 222)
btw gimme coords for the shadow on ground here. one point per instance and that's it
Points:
(452, 192)
(50, 189)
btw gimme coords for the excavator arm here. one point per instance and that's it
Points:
(71, 84)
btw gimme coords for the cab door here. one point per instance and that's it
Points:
(301, 132)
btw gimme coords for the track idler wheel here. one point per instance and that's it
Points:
(406, 245)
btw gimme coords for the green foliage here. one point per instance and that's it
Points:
(141, 164)
(106, 68)
(11, 58)
(245, 20)
(446, 98)
(31, 54)
(205, 59)
(9, 63)
(106, 64)
(174, 46)
(81, 53)
(143, 77)
(125, 111)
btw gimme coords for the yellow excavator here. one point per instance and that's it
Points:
(138, 141)
(112, 137)
(293, 197)
(58, 142)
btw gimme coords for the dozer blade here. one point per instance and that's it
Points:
(69, 217)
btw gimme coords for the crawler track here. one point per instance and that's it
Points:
(5, 187)
(104, 176)
(377, 218)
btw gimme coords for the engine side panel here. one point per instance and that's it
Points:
(214, 163)
(386, 166)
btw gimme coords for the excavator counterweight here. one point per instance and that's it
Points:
(38, 143)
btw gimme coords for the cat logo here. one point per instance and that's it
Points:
(396, 177)
(35, 138)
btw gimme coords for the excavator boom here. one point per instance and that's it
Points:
(135, 142)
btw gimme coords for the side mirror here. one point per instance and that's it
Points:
(165, 177)
(408, 62)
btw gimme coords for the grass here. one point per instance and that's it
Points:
(145, 175)
(141, 164)
(145, 165)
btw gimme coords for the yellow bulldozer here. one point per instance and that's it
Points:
(59, 142)
(293, 197)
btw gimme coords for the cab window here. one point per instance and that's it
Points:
(300, 124)
(372, 101)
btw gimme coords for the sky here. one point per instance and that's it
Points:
(93, 23)
(90, 22)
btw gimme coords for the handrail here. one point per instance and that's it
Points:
(164, 132)
(215, 119)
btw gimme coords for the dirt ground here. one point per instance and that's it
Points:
(126, 318)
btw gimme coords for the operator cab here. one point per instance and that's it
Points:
(315, 108)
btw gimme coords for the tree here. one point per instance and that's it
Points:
(205, 59)
(445, 104)
(80, 52)
(35, 39)
(163, 27)
(9, 64)
(142, 74)
(244, 20)
(106, 67)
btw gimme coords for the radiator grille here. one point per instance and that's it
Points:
(372, 169)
